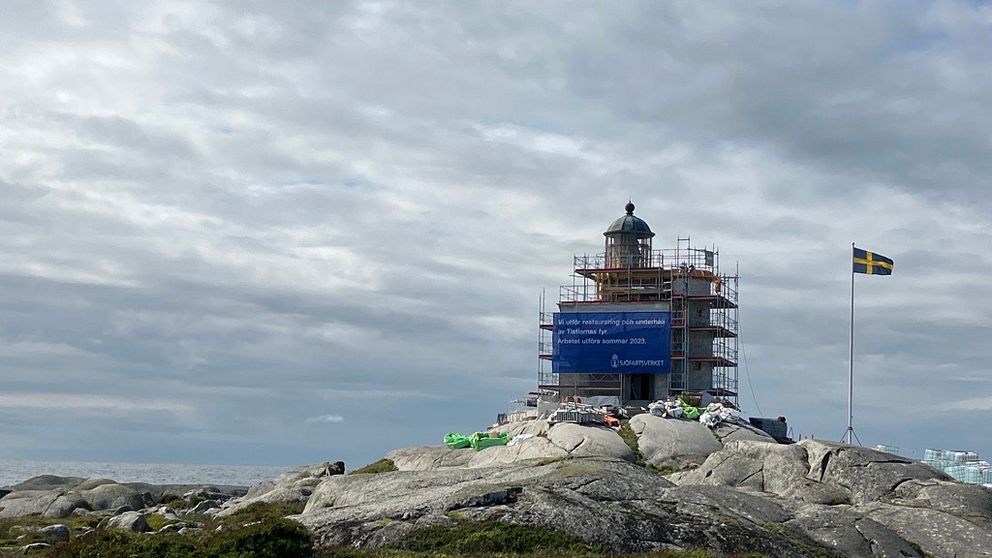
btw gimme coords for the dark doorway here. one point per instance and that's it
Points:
(641, 387)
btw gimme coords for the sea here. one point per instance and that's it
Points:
(15, 471)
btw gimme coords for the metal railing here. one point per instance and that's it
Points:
(673, 258)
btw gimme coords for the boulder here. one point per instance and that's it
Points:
(203, 506)
(191, 498)
(55, 533)
(65, 505)
(673, 442)
(27, 502)
(173, 527)
(129, 521)
(590, 441)
(29, 548)
(114, 496)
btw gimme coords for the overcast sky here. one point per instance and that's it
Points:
(278, 233)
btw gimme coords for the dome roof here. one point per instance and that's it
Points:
(629, 224)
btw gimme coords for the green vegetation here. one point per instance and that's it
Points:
(261, 531)
(257, 531)
(630, 439)
(662, 469)
(272, 538)
(381, 466)
(14, 527)
(157, 521)
(493, 537)
(261, 511)
(347, 552)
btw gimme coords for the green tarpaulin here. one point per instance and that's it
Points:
(455, 440)
(481, 440)
(688, 411)
(478, 441)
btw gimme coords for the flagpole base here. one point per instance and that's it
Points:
(850, 436)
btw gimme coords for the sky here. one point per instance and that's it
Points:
(283, 233)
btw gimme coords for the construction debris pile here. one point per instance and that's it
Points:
(711, 415)
(607, 411)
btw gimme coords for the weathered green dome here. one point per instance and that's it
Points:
(629, 224)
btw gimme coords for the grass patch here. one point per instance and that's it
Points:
(268, 538)
(381, 466)
(156, 521)
(13, 527)
(629, 437)
(116, 542)
(662, 469)
(261, 511)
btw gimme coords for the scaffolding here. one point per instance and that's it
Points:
(687, 281)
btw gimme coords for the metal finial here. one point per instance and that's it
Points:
(629, 207)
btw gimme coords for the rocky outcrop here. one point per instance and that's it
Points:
(851, 534)
(748, 495)
(859, 501)
(745, 494)
(60, 497)
(292, 486)
(430, 457)
(610, 502)
(811, 471)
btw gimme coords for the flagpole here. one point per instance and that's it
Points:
(849, 433)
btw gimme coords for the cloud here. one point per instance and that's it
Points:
(973, 404)
(245, 215)
(324, 419)
(63, 402)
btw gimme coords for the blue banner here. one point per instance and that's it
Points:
(612, 342)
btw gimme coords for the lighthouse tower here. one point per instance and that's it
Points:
(639, 324)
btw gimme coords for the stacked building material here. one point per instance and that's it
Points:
(964, 466)
(577, 413)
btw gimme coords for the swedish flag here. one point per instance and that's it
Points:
(871, 263)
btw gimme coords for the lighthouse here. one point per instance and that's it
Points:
(637, 324)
